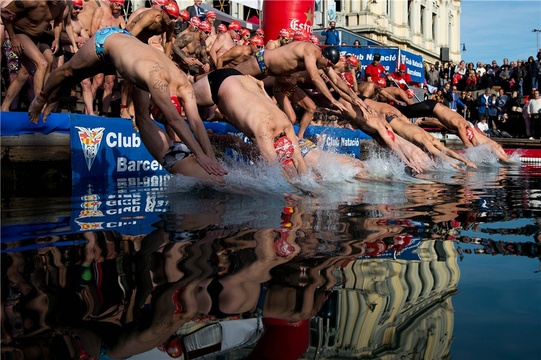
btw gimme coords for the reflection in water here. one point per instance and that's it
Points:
(366, 271)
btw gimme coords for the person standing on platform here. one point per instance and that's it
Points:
(332, 37)
(534, 113)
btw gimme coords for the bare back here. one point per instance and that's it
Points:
(149, 69)
(257, 122)
(149, 23)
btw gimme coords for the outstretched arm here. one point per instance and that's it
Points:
(421, 138)
(206, 158)
(310, 62)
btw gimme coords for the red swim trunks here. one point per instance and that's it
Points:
(159, 116)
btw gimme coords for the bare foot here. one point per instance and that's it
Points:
(35, 108)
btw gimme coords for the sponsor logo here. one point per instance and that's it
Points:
(296, 25)
(90, 142)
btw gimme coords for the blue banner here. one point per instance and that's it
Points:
(338, 140)
(391, 58)
(108, 148)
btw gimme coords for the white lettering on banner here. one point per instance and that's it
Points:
(414, 73)
(296, 25)
(123, 165)
(332, 141)
(120, 141)
(349, 142)
(391, 57)
(414, 63)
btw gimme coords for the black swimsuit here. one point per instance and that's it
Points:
(421, 109)
(217, 77)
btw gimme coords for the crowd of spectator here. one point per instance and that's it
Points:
(500, 99)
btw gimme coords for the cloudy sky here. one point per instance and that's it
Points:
(496, 29)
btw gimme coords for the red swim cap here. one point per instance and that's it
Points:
(211, 14)
(284, 149)
(77, 3)
(173, 347)
(205, 26)
(301, 36)
(159, 116)
(257, 41)
(119, 2)
(314, 39)
(234, 26)
(185, 15)
(158, 2)
(353, 61)
(402, 67)
(284, 33)
(222, 28)
(244, 32)
(260, 32)
(171, 9)
(195, 21)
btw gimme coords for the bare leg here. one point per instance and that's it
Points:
(15, 87)
(88, 99)
(302, 99)
(84, 64)
(108, 84)
(97, 81)
(285, 105)
(125, 99)
(32, 52)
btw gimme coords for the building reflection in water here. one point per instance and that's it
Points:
(392, 308)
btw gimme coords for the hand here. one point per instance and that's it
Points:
(340, 106)
(54, 46)
(210, 166)
(7, 14)
(17, 45)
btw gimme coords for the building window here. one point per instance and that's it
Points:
(422, 20)
(434, 25)
(222, 5)
(410, 5)
(338, 5)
